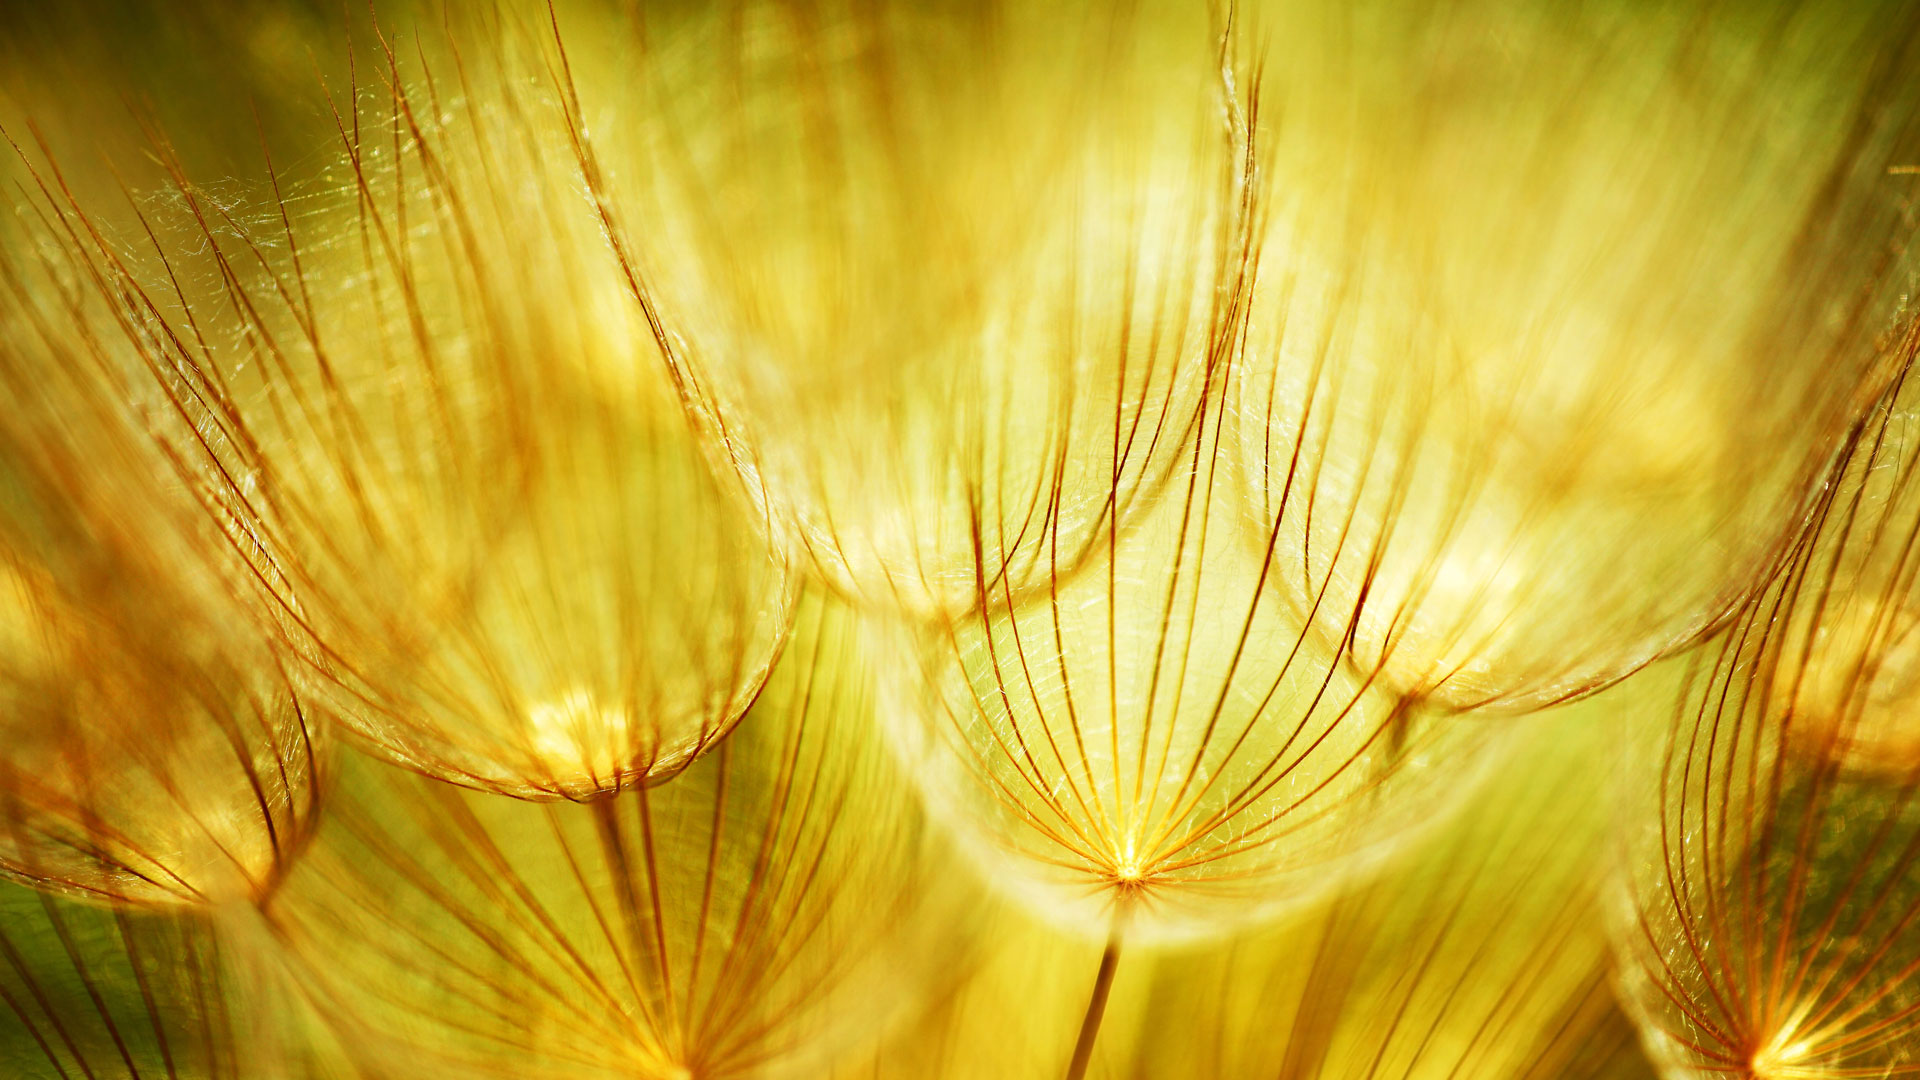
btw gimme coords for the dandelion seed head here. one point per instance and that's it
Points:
(1101, 749)
(772, 902)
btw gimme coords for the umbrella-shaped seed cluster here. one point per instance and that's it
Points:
(868, 539)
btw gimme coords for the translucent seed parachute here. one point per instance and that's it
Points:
(159, 750)
(934, 326)
(1533, 393)
(540, 609)
(861, 539)
(1770, 892)
(746, 919)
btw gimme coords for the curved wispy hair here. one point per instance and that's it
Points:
(1158, 746)
(454, 447)
(1158, 743)
(744, 919)
(1772, 893)
(944, 284)
(1561, 322)
(153, 748)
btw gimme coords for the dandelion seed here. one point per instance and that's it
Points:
(1770, 906)
(745, 919)
(1217, 419)
(153, 750)
(475, 490)
(1500, 385)
(1220, 762)
(935, 317)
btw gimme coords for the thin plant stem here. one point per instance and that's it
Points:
(1097, 1003)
